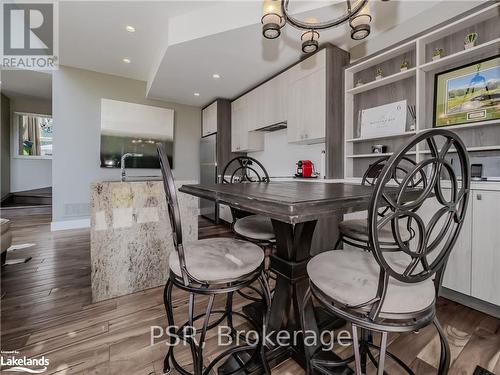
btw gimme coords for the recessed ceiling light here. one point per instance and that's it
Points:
(196, 94)
(130, 29)
(216, 76)
(126, 61)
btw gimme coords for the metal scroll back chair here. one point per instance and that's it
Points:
(208, 268)
(355, 231)
(255, 228)
(388, 291)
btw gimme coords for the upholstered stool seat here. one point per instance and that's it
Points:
(218, 259)
(351, 277)
(255, 227)
(358, 229)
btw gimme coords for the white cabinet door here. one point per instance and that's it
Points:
(243, 115)
(306, 107)
(209, 120)
(238, 124)
(271, 100)
(486, 246)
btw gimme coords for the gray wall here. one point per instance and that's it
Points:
(26, 173)
(77, 97)
(5, 146)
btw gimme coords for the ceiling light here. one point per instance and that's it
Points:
(126, 61)
(196, 94)
(216, 76)
(276, 14)
(130, 29)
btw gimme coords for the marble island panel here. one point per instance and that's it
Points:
(131, 235)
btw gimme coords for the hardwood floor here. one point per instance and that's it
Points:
(47, 310)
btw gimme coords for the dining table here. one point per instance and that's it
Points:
(294, 208)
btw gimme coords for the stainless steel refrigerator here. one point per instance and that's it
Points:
(208, 173)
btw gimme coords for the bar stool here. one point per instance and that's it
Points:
(209, 267)
(355, 232)
(395, 291)
(254, 228)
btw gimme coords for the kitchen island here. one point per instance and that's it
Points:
(131, 235)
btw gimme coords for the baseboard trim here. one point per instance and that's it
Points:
(69, 224)
(473, 303)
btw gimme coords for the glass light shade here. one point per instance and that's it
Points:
(272, 12)
(363, 17)
(310, 41)
(272, 19)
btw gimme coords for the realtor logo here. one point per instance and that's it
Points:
(29, 36)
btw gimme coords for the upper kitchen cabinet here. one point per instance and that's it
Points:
(209, 120)
(243, 118)
(271, 100)
(306, 109)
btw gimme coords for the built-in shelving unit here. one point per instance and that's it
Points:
(416, 86)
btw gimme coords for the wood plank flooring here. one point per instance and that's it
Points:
(47, 310)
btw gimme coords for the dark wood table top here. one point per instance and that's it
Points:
(292, 202)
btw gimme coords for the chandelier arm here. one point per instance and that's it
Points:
(321, 25)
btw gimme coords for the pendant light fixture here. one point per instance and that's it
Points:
(276, 14)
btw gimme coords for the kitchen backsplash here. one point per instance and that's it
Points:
(280, 157)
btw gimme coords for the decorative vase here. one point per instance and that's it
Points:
(470, 40)
(437, 54)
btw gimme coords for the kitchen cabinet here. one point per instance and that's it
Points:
(243, 117)
(271, 101)
(485, 246)
(209, 120)
(306, 106)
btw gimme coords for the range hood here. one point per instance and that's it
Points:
(273, 127)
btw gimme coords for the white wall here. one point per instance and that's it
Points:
(280, 157)
(77, 97)
(27, 173)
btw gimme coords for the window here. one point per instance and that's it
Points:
(33, 135)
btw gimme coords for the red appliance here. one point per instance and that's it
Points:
(305, 169)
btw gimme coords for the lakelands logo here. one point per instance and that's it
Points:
(29, 35)
(15, 362)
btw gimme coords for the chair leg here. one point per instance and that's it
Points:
(444, 360)
(267, 296)
(199, 364)
(355, 346)
(338, 243)
(167, 301)
(383, 348)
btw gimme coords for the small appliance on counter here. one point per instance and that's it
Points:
(305, 169)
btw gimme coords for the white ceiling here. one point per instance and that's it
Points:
(178, 45)
(25, 83)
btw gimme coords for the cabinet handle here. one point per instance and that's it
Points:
(479, 197)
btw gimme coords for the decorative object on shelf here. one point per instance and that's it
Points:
(384, 120)
(470, 40)
(412, 110)
(379, 149)
(476, 172)
(468, 94)
(359, 83)
(405, 64)
(437, 54)
(379, 73)
(276, 14)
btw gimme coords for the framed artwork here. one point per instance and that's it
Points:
(468, 94)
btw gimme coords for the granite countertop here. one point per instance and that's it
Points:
(131, 237)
